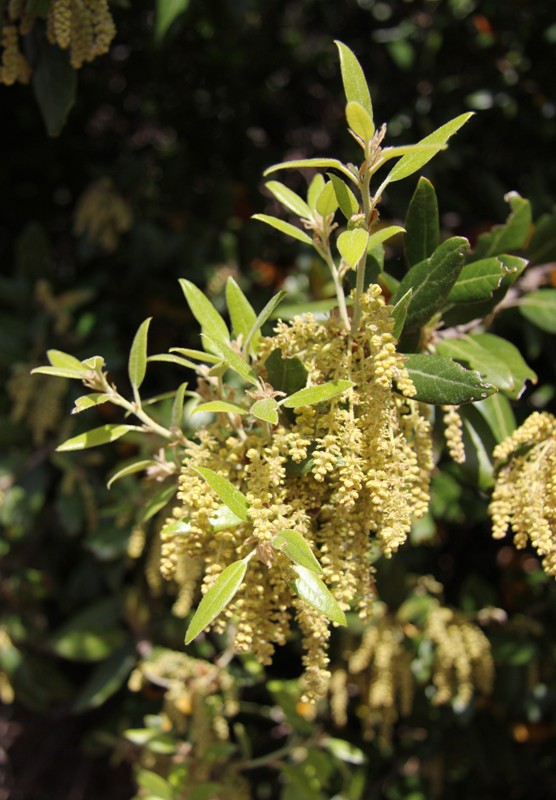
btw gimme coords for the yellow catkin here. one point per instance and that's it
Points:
(453, 432)
(524, 495)
(14, 67)
(102, 215)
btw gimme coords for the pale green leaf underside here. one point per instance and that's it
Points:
(219, 407)
(242, 313)
(59, 359)
(204, 312)
(233, 360)
(294, 546)
(353, 78)
(317, 394)
(217, 598)
(314, 592)
(441, 381)
(266, 410)
(313, 163)
(359, 120)
(284, 227)
(226, 491)
(87, 401)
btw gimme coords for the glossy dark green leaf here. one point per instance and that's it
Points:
(541, 249)
(353, 78)
(54, 82)
(512, 235)
(478, 281)
(137, 365)
(347, 201)
(540, 309)
(287, 375)
(441, 381)
(266, 410)
(317, 394)
(432, 281)
(217, 598)
(498, 413)
(289, 199)
(284, 227)
(103, 435)
(422, 225)
(478, 442)
(296, 548)
(242, 313)
(226, 491)
(204, 312)
(314, 592)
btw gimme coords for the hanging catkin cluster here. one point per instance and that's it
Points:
(84, 27)
(524, 496)
(102, 215)
(347, 475)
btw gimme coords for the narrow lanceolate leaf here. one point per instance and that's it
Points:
(242, 313)
(360, 121)
(217, 598)
(204, 312)
(166, 12)
(233, 360)
(264, 315)
(540, 309)
(266, 409)
(289, 199)
(170, 358)
(317, 394)
(89, 401)
(327, 202)
(399, 313)
(314, 592)
(413, 161)
(478, 281)
(287, 375)
(59, 359)
(176, 417)
(226, 491)
(441, 381)
(498, 413)
(97, 436)
(347, 201)
(130, 469)
(59, 372)
(353, 245)
(422, 225)
(512, 235)
(200, 355)
(353, 78)
(295, 547)
(383, 234)
(284, 227)
(156, 502)
(219, 407)
(315, 188)
(137, 365)
(498, 360)
(432, 281)
(313, 163)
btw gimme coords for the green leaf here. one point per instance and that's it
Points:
(497, 412)
(156, 502)
(137, 365)
(289, 199)
(59, 372)
(353, 245)
(432, 281)
(226, 491)
(176, 417)
(223, 518)
(314, 592)
(512, 235)
(97, 436)
(421, 223)
(413, 161)
(477, 281)
(541, 249)
(327, 202)
(166, 12)
(217, 598)
(54, 82)
(313, 163)
(284, 227)
(151, 782)
(360, 121)
(233, 360)
(130, 469)
(242, 313)
(315, 188)
(353, 78)
(291, 310)
(207, 316)
(200, 355)
(399, 313)
(294, 546)
(441, 381)
(479, 443)
(219, 407)
(316, 394)
(90, 635)
(383, 234)
(59, 359)
(287, 375)
(94, 363)
(499, 362)
(170, 358)
(266, 409)
(87, 401)
(264, 316)
(106, 679)
(347, 201)
(540, 309)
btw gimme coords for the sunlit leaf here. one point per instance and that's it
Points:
(226, 491)
(498, 413)
(353, 245)
(266, 410)
(153, 783)
(224, 518)
(176, 417)
(284, 227)
(242, 313)
(219, 407)
(477, 281)
(441, 381)
(137, 365)
(59, 372)
(289, 199)
(59, 359)
(327, 202)
(97, 436)
(167, 11)
(316, 394)
(399, 313)
(383, 234)
(313, 163)
(130, 469)
(347, 201)
(217, 598)
(170, 358)
(264, 315)
(296, 548)
(315, 188)
(353, 78)
(512, 235)
(200, 355)
(233, 360)
(204, 312)
(314, 592)
(360, 121)
(87, 401)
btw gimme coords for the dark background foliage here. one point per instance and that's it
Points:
(184, 128)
